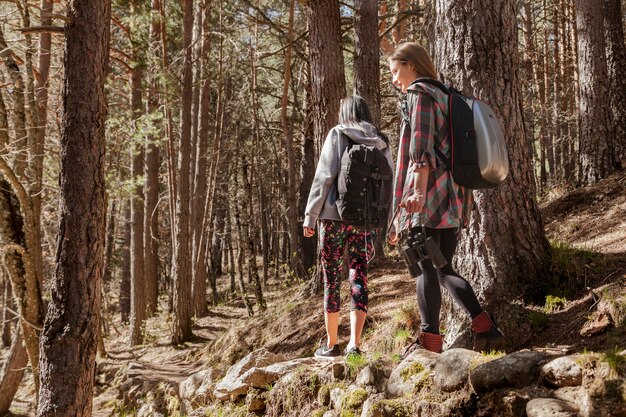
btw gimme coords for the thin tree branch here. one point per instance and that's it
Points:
(42, 29)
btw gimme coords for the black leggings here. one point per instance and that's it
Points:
(428, 284)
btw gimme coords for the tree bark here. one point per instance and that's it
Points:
(70, 330)
(597, 151)
(181, 326)
(477, 51)
(199, 199)
(12, 372)
(616, 62)
(327, 69)
(367, 55)
(125, 278)
(151, 192)
(137, 281)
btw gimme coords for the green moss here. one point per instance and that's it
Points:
(397, 408)
(401, 336)
(554, 303)
(319, 412)
(348, 413)
(422, 382)
(356, 398)
(411, 370)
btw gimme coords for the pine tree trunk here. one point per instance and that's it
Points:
(151, 192)
(181, 325)
(125, 278)
(137, 282)
(481, 35)
(71, 326)
(616, 62)
(327, 69)
(367, 55)
(309, 245)
(597, 157)
(200, 184)
(12, 372)
(8, 318)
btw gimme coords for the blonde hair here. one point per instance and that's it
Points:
(415, 55)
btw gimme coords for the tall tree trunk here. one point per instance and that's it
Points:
(137, 283)
(477, 50)
(236, 204)
(597, 157)
(8, 318)
(367, 55)
(199, 199)
(71, 326)
(12, 372)
(328, 84)
(151, 213)
(125, 278)
(41, 111)
(287, 127)
(181, 326)
(327, 70)
(616, 62)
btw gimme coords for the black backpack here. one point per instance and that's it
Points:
(364, 185)
(478, 156)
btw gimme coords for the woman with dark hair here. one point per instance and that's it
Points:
(428, 202)
(355, 124)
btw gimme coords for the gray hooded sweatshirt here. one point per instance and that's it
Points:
(323, 195)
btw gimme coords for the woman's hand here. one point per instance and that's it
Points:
(308, 231)
(392, 238)
(414, 203)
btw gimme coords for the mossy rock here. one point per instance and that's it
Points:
(391, 408)
(411, 370)
(356, 398)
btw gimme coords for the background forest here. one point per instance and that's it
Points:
(215, 115)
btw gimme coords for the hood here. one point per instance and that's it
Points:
(365, 133)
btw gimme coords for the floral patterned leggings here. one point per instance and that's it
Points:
(334, 235)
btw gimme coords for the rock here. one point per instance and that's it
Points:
(339, 371)
(232, 386)
(330, 413)
(599, 322)
(255, 401)
(574, 395)
(367, 376)
(372, 376)
(356, 397)
(518, 369)
(336, 398)
(412, 372)
(452, 369)
(562, 372)
(147, 410)
(368, 409)
(550, 407)
(261, 377)
(197, 389)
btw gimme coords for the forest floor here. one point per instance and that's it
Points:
(587, 230)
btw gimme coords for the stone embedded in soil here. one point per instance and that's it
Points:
(598, 323)
(197, 389)
(232, 386)
(550, 407)
(562, 372)
(336, 398)
(415, 368)
(255, 401)
(515, 370)
(452, 369)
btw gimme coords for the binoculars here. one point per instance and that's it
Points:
(417, 247)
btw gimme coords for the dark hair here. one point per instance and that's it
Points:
(354, 109)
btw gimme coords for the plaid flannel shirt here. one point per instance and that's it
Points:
(424, 126)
